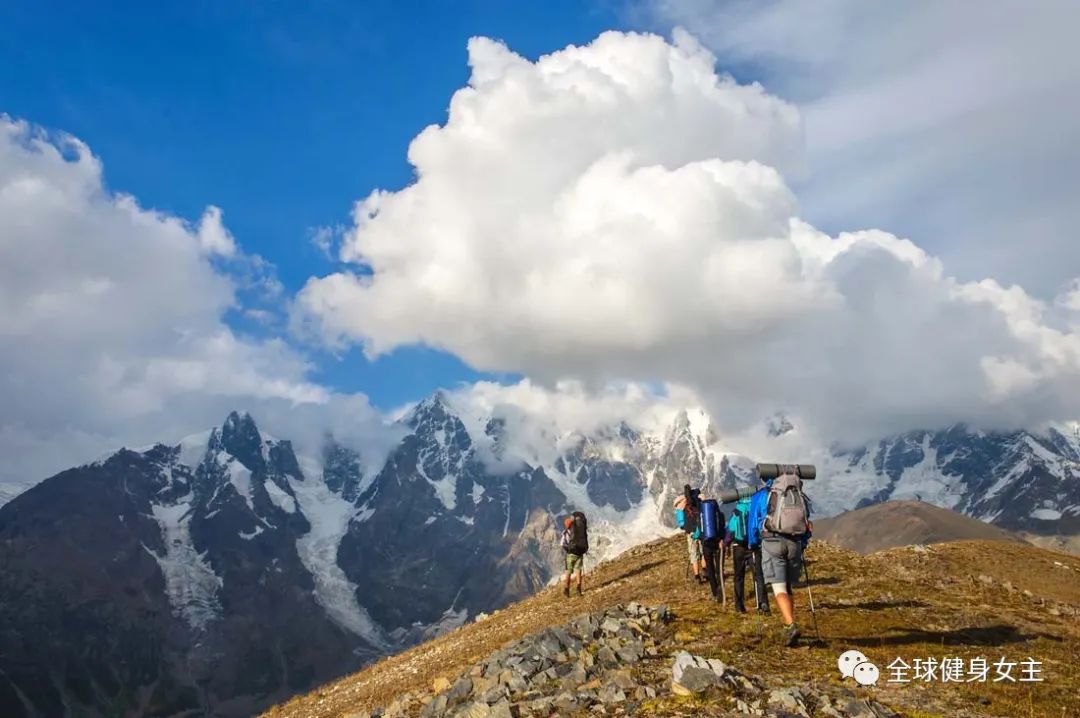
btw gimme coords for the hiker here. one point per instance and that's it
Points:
(687, 517)
(743, 553)
(711, 528)
(575, 543)
(779, 524)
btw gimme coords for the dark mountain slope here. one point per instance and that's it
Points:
(138, 585)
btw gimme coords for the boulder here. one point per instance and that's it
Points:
(632, 652)
(693, 674)
(494, 694)
(459, 691)
(791, 700)
(606, 656)
(611, 694)
(611, 626)
(501, 710)
(622, 679)
(435, 708)
(478, 709)
(867, 708)
(565, 701)
(575, 677)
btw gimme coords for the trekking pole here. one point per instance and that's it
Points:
(806, 570)
(723, 580)
(753, 574)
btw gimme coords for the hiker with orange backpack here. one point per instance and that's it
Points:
(575, 544)
(687, 518)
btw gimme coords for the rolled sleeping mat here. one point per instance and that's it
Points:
(710, 519)
(730, 496)
(806, 472)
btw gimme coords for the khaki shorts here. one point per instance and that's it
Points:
(573, 561)
(781, 560)
(693, 548)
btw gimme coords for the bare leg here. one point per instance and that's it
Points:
(786, 604)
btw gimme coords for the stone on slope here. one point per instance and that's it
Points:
(693, 674)
(791, 700)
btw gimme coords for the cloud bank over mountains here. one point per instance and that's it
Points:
(613, 221)
(620, 212)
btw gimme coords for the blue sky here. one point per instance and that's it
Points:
(280, 113)
(581, 221)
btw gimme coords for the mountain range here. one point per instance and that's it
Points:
(224, 572)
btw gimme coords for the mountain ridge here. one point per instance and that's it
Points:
(962, 599)
(460, 518)
(893, 524)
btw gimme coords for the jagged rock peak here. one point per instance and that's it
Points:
(239, 426)
(691, 426)
(240, 437)
(433, 409)
(780, 425)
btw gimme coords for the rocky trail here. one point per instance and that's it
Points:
(607, 653)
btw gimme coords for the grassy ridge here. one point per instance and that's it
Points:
(964, 599)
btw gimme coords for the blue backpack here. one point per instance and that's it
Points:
(739, 525)
(711, 520)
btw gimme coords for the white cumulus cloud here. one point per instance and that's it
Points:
(621, 212)
(111, 328)
(214, 238)
(951, 124)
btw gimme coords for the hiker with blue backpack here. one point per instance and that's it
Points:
(744, 554)
(779, 523)
(712, 549)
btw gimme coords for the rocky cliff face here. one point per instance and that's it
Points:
(163, 581)
(1020, 481)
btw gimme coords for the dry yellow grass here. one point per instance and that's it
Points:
(951, 601)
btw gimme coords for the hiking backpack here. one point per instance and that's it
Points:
(686, 515)
(711, 520)
(740, 521)
(578, 538)
(787, 512)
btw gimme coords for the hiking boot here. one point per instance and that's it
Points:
(763, 609)
(579, 590)
(566, 591)
(739, 608)
(791, 635)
